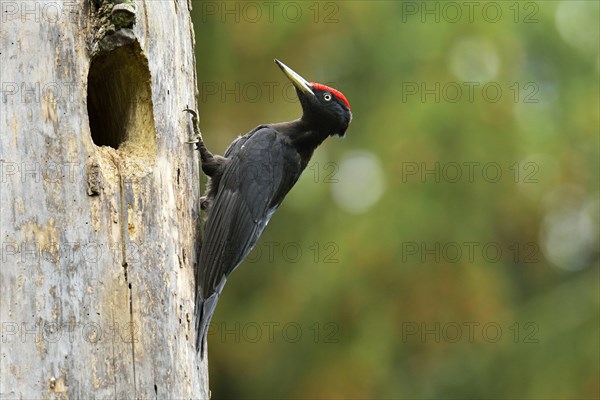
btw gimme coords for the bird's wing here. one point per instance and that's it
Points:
(251, 188)
(236, 145)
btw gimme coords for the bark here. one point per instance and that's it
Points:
(99, 201)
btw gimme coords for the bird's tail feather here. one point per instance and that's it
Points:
(205, 309)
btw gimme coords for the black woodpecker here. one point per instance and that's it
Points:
(250, 181)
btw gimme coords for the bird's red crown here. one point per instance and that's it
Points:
(334, 92)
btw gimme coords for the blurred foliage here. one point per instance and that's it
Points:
(403, 296)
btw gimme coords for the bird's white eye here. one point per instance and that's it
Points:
(327, 97)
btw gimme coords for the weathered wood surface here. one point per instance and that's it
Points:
(98, 244)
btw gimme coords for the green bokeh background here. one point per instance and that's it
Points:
(403, 294)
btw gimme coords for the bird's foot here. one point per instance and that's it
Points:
(197, 136)
(204, 203)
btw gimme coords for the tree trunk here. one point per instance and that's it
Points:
(99, 216)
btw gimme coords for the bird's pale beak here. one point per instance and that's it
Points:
(299, 82)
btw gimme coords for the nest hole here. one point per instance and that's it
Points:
(119, 101)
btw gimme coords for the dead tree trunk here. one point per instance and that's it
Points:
(99, 200)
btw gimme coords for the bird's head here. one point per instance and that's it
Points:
(322, 106)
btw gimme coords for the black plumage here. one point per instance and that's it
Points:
(251, 180)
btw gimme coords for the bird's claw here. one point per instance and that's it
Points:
(194, 113)
(197, 137)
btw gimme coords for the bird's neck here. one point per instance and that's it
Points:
(303, 135)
